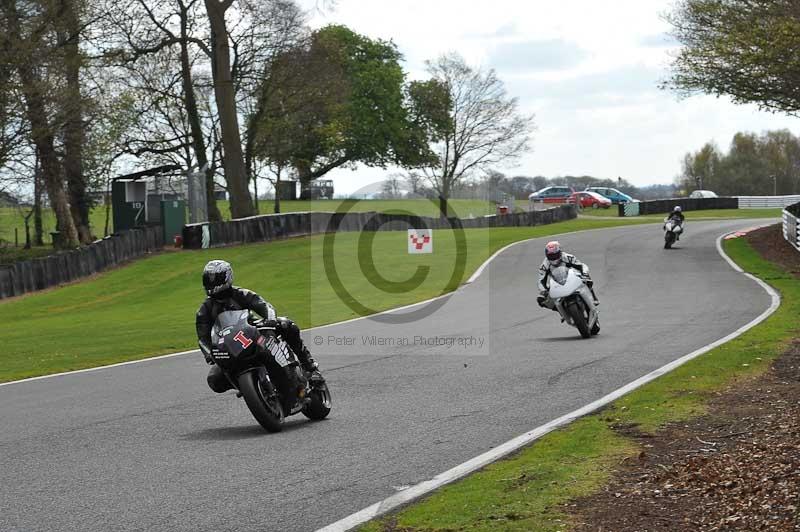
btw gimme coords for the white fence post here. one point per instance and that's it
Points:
(791, 227)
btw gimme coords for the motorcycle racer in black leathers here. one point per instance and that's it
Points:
(223, 296)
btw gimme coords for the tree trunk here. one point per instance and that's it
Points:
(41, 131)
(444, 195)
(38, 237)
(51, 172)
(107, 202)
(303, 170)
(277, 208)
(255, 195)
(28, 229)
(74, 137)
(233, 160)
(193, 115)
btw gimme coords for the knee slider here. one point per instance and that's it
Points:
(218, 383)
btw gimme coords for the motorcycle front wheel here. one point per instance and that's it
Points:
(267, 410)
(669, 239)
(575, 311)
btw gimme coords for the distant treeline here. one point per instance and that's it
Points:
(496, 186)
(758, 165)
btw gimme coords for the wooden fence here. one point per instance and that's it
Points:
(278, 226)
(37, 274)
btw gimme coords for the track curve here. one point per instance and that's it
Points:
(147, 446)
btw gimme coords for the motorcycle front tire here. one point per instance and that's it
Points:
(669, 239)
(254, 397)
(575, 311)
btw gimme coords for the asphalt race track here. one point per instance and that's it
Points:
(148, 446)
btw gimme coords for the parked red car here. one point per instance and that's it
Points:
(590, 199)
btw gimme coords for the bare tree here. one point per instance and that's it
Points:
(160, 43)
(474, 124)
(391, 187)
(68, 28)
(225, 95)
(26, 47)
(414, 182)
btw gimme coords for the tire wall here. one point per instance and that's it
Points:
(279, 226)
(37, 274)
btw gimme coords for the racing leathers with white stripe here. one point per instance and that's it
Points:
(570, 261)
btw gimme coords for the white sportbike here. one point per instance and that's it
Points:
(574, 300)
(672, 230)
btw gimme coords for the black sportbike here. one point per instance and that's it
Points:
(265, 370)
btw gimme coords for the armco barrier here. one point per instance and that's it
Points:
(687, 204)
(278, 226)
(791, 225)
(37, 274)
(767, 202)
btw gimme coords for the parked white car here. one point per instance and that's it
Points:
(703, 194)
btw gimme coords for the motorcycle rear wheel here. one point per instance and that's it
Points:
(575, 311)
(270, 416)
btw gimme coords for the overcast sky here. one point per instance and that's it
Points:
(588, 70)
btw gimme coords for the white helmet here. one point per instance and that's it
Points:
(677, 208)
(553, 252)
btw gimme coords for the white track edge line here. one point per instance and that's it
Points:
(406, 496)
(389, 311)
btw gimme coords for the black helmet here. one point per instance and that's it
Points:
(217, 278)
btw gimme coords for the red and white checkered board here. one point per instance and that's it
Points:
(420, 241)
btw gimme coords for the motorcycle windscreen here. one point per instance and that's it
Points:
(233, 333)
(566, 281)
(560, 274)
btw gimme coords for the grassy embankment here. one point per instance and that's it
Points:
(147, 307)
(525, 492)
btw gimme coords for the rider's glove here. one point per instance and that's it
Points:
(206, 350)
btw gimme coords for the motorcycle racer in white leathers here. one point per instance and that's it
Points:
(554, 257)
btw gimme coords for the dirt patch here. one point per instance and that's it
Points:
(770, 244)
(737, 468)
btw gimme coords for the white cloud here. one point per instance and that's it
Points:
(589, 71)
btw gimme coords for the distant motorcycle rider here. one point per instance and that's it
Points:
(554, 258)
(223, 296)
(677, 216)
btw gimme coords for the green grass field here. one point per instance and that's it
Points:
(147, 308)
(12, 218)
(529, 490)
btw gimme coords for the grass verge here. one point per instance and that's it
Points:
(528, 490)
(147, 307)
